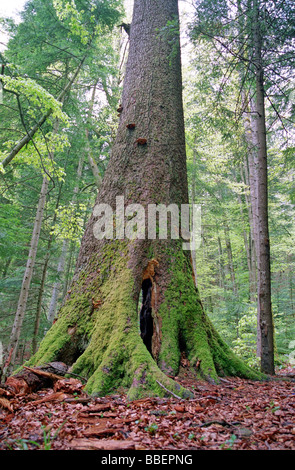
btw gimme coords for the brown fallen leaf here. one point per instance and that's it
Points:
(88, 419)
(68, 385)
(4, 403)
(279, 413)
(5, 393)
(179, 408)
(17, 385)
(243, 432)
(198, 409)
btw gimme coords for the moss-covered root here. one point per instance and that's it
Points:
(127, 364)
(148, 379)
(102, 342)
(186, 327)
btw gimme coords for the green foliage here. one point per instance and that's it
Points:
(40, 100)
(152, 428)
(169, 33)
(40, 150)
(229, 443)
(245, 344)
(70, 222)
(217, 153)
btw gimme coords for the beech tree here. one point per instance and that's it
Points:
(133, 309)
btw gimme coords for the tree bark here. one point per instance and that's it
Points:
(39, 303)
(91, 160)
(265, 320)
(43, 279)
(98, 330)
(58, 282)
(62, 258)
(23, 297)
(221, 267)
(245, 172)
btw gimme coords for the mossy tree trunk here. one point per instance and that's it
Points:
(98, 330)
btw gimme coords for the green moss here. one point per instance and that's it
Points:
(54, 341)
(114, 355)
(182, 315)
(182, 312)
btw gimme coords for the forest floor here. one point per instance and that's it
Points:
(236, 414)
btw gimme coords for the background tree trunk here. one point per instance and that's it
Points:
(23, 297)
(43, 279)
(98, 331)
(56, 288)
(265, 320)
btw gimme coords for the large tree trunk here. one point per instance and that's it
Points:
(98, 330)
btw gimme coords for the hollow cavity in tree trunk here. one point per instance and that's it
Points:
(146, 319)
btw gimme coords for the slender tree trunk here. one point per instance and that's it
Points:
(62, 259)
(194, 183)
(43, 279)
(221, 266)
(23, 297)
(251, 237)
(98, 331)
(247, 243)
(253, 183)
(68, 268)
(230, 258)
(39, 304)
(58, 282)
(265, 320)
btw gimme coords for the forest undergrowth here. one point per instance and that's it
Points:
(236, 414)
